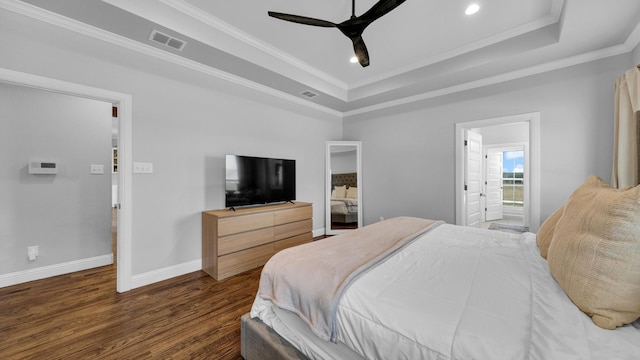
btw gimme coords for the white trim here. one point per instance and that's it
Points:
(155, 276)
(81, 28)
(125, 194)
(552, 18)
(125, 144)
(533, 168)
(318, 232)
(97, 33)
(211, 20)
(205, 17)
(327, 185)
(44, 272)
(497, 79)
(634, 38)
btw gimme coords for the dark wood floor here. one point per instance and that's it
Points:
(80, 316)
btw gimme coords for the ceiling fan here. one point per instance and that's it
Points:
(352, 28)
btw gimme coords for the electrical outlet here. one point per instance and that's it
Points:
(32, 252)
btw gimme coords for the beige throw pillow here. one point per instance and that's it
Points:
(339, 192)
(545, 232)
(352, 193)
(595, 252)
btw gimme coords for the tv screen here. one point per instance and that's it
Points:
(256, 180)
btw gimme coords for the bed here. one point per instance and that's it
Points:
(344, 198)
(423, 289)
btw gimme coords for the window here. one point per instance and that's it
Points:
(512, 178)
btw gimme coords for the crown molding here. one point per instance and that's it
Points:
(97, 33)
(552, 18)
(634, 38)
(533, 70)
(63, 22)
(206, 18)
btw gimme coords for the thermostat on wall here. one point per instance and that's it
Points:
(42, 167)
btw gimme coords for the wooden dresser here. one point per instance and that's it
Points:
(237, 241)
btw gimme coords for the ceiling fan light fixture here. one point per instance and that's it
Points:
(353, 60)
(352, 27)
(472, 9)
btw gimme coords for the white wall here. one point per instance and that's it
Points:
(636, 55)
(67, 215)
(184, 123)
(344, 162)
(412, 161)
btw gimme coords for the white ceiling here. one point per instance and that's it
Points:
(422, 49)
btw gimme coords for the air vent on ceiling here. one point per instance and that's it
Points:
(167, 40)
(308, 94)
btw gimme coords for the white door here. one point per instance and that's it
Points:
(494, 186)
(473, 178)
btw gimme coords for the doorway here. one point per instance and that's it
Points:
(115, 204)
(489, 135)
(123, 101)
(505, 184)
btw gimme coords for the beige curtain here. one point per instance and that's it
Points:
(626, 130)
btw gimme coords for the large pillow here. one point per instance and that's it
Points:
(339, 192)
(545, 232)
(352, 193)
(595, 252)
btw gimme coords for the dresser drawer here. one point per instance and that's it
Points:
(236, 242)
(291, 215)
(293, 241)
(243, 223)
(292, 229)
(240, 261)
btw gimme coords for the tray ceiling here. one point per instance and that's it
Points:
(422, 49)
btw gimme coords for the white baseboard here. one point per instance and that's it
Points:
(165, 273)
(44, 272)
(155, 276)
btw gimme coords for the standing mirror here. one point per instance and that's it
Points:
(343, 187)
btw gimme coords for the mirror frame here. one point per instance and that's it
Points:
(358, 146)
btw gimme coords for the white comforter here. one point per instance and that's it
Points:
(466, 293)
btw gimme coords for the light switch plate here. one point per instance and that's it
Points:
(97, 169)
(142, 168)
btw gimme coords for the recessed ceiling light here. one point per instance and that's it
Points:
(472, 9)
(353, 60)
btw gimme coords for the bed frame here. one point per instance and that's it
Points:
(344, 218)
(349, 179)
(260, 342)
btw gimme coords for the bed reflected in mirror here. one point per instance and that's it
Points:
(343, 187)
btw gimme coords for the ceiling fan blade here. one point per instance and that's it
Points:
(380, 9)
(361, 51)
(301, 19)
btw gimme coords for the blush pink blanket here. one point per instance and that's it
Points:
(310, 279)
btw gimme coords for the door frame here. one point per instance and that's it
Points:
(125, 168)
(533, 167)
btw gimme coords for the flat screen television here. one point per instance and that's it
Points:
(255, 180)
